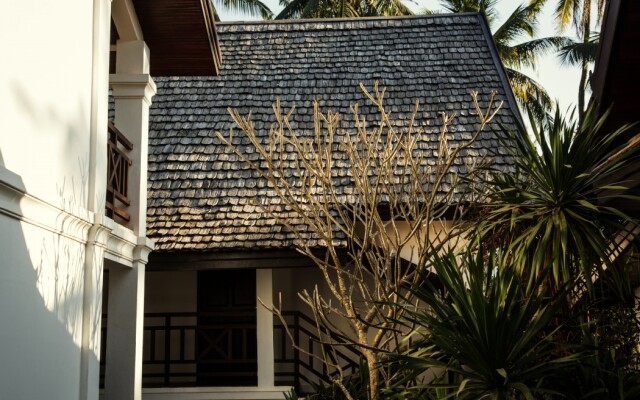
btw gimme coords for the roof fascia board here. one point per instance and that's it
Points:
(212, 34)
(126, 21)
(607, 37)
(484, 23)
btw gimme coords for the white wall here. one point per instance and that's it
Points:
(41, 304)
(45, 92)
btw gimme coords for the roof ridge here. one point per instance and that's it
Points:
(337, 21)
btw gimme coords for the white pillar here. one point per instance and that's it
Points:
(96, 191)
(92, 312)
(264, 325)
(123, 375)
(132, 89)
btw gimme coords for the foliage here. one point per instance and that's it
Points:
(516, 54)
(577, 13)
(254, 8)
(480, 332)
(397, 195)
(341, 8)
(605, 371)
(576, 52)
(559, 206)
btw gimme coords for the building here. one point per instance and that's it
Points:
(215, 251)
(615, 90)
(73, 186)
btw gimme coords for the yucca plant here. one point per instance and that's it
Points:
(479, 334)
(604, 371)
(560, 206)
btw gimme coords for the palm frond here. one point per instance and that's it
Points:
(567, 13)
(292, 9)
(254, 8)
(391, 8)
(526, 54)
(458, 6)
(575, 53)
(530, 94)
(522, 21)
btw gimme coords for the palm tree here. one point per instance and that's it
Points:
(254, 8)
(515, 56)
(341, 8)
(577, 13)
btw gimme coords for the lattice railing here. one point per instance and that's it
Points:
(118, 175)
(173, 358)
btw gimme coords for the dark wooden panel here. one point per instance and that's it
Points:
(181, 36)
(617, 82)
(163, 261)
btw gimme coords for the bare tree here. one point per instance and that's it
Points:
(372, 240)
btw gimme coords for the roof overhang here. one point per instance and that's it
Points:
(615, 81)
(181, 36)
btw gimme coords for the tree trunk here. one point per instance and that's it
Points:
(373, 374)
(585, 30)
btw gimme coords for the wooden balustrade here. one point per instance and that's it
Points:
(118, 175)
(179, 351)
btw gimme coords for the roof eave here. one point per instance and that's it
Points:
(181, 36)
(502, 72)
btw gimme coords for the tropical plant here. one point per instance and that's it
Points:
(254, 8)
(478, 333)
(578, 13)
(362, 238)
(560, 207)
(522, 22)
(602, 373)
(341, 8)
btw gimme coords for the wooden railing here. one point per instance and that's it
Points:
(171, 357)
(118, 174)
(303, 363)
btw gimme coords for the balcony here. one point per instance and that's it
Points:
(117, 202)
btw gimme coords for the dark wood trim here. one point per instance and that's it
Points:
(181, 36)
(161, 261)
(607, 36)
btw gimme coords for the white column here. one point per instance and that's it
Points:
(96, 191)
(264, 325)
(123, 376)
(132, 89)
(92, 311)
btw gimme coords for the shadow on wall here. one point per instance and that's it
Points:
(63, 135)
(41, 283)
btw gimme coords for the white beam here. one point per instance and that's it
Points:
(126, 21)
(264, 325)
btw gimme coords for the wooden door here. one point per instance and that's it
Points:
(226, 340)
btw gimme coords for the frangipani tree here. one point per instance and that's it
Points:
(397, 193)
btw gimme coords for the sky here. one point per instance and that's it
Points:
(561, 82)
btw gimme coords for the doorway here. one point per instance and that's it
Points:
(226, 345)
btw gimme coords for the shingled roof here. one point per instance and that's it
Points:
(201, 196)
